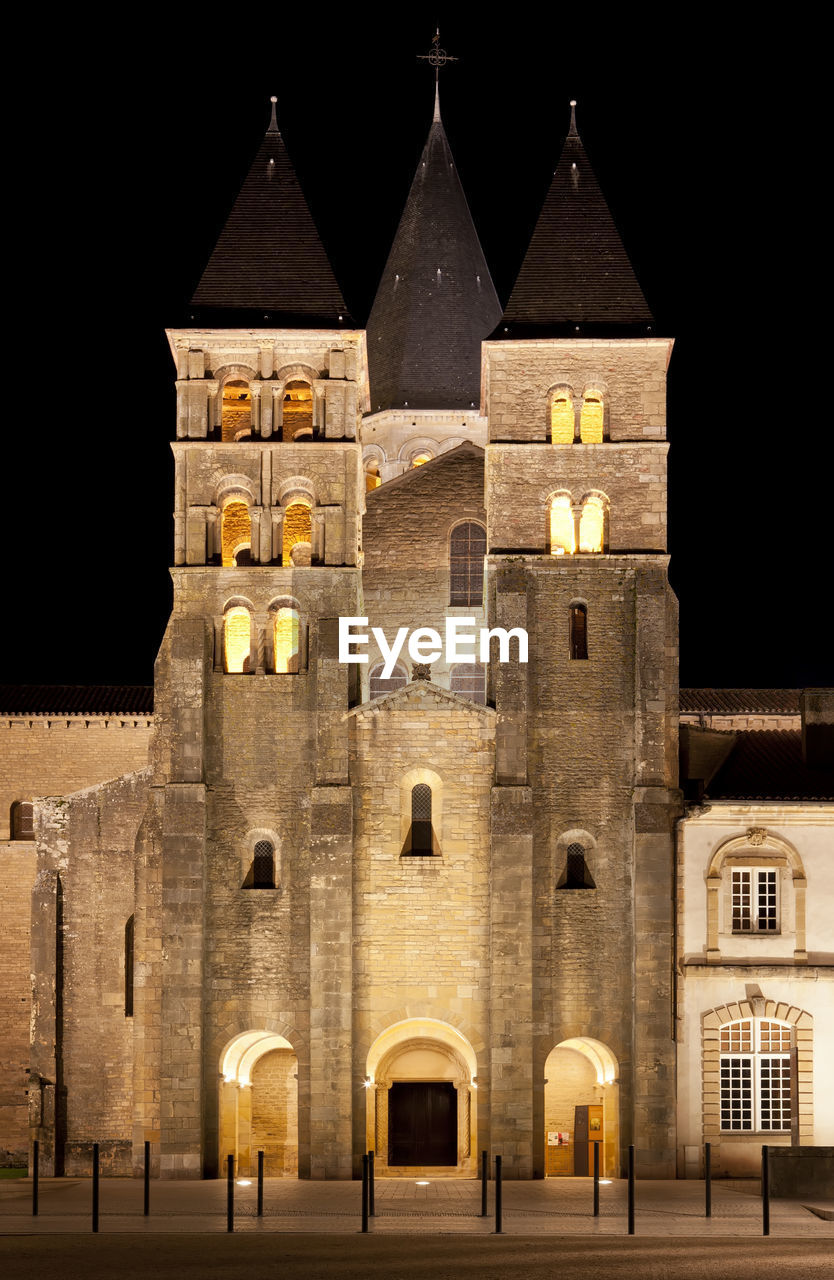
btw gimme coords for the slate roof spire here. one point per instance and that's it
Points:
(576, 277)
(436, 301)
(269, 260)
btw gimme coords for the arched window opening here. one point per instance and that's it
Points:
(561, 417)
(237, 640)
(298, 535)
(398, 679)
(562, 526)
(755, 1076)
(578, 631)
(469, 680)
(298, 411)
(467, 548)
(420, 459)
(576, 874)
(372, 477)
(236, 412)
(420, 841)
(129, 937)
(262, 871)
(286, 638)
(591, 525)
(22, 820)
(235, 534)
(591, 418)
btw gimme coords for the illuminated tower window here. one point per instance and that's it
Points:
(420, 459)
(236, 412)
(562, 530)
(298, 411)
(297, 534)
(237, 639)
(236, 534)
(561, 417)
(591, 419)
(591, 525)
(372, 476)
(286, 635)
(578, 631)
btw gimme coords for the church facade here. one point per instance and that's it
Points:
(443, 898)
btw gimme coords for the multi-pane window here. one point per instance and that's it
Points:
(469, 680)
(755, 900)
(756, 1076)
(398, 679)
(467, 548)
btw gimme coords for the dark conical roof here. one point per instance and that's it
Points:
(436, 301)
(269, 256)
(576, 271)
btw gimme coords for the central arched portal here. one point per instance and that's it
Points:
(581, 1106)
(421, 1100)
(259, 1104)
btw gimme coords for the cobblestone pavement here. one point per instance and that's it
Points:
(561, 1206)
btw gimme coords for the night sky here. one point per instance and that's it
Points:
(136, 158)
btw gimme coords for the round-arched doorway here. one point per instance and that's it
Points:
(581, 1107)
(259, 1104)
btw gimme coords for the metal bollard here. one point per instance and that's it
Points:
(631, 1191)
(484, 1181)
(147, 1201)
(765, 1192)
(260, 1184)
(230, 1193)
(596, 1179)
(35, 1158)
(707, 1180)
(499, 1229)
(371, 1202)
(95, 1186)
(364, 1193)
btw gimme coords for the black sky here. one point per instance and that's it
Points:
(136, 154)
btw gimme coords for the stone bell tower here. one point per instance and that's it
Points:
(585, 795)
(249, 787)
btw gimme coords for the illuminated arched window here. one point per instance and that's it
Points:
(237, 640)
(421, 834)
(235, 533)
(420, 459)
(298, 411)
(469, 680)
(372, 477)
(755, 1076)
(592, 525)
(591, 418)
(561, 417)
(286, 640)
(562, 527)
(578, 631)
(397, 680)
(467, 548)
(298, 535)
(236, 412)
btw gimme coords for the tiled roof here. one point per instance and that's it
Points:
(576, 271)
(76, 699)
(269, 256)
(767, 764)
(436, 301)
(768, 702)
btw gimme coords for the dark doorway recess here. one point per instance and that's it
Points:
(422, 1124)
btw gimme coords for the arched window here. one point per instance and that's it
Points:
(421, 829)
(298, 535)
(262, 872)
(591, 418)
(286, 640)
(469, 680)
(755, 1076)
(372, 477)
(592, 525)
(298, 411)
(397, 680)
(237, 639)
(562, 526)
(235, 533)
(22, 820)
(578, 631)
(236, 412)
(562, 417)
(467, 548)
(420, 459)
(575, 874)
(129, 942)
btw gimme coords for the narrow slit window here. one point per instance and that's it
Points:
(578, 631)
(421, 834)
(129, 946)
(467, 548)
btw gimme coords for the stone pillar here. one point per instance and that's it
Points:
(46, 1093)
(255, 421)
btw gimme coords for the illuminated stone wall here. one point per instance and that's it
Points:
(275, 1114)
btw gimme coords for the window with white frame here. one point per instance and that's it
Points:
(755, 899)
(756, 1076)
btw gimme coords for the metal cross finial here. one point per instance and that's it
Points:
(438, 57)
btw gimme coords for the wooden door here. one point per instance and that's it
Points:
(422, 1123)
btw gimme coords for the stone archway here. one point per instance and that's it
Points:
(259, 1104)
(581, 1073)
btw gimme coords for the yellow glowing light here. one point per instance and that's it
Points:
(298, 410)
(590, 420)
(236, 413)
(420, 459)
(422, 1183)
(235, 530)
(591, 524)
(561, 418)
(298, 524)
(562, 529)
(285, 637)
(237, 639)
